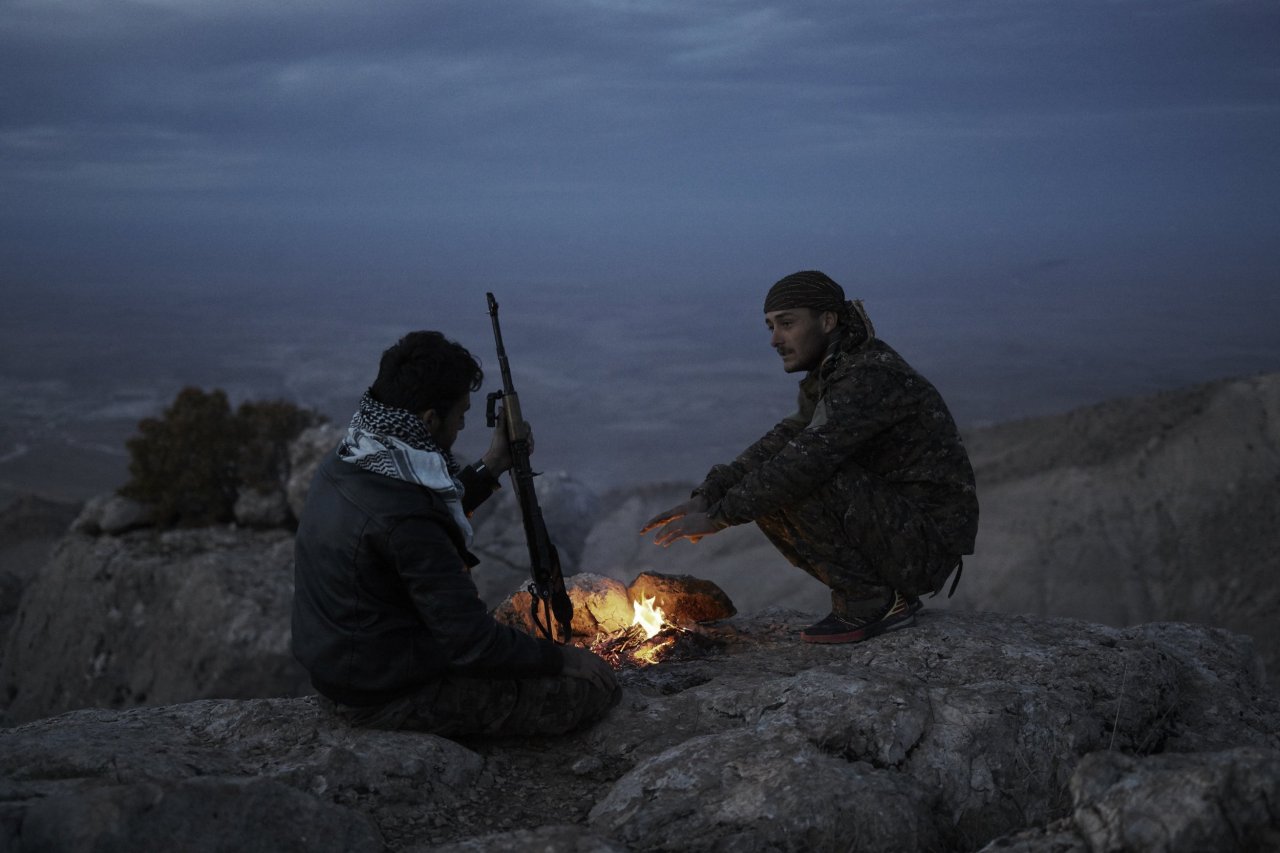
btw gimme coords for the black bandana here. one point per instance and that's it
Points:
(806, 289)
(814, 289)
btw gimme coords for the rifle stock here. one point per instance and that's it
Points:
(551, 606)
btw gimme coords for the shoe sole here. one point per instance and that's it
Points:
(865, 633)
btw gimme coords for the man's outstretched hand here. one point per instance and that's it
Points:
(581, 663)
(688, 520)
(695, 504)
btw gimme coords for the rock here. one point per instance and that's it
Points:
(600, 605)
(1158, 508)
(154, 617)
(113, 515)
(966, 730)
(683, 599)
(569, 509)
(305, 454)
(739, 560)
(259, 775)
(29, 527)
(259, 509)
(1178, 803)
(561, 839)
(749, 790)
(198, 814)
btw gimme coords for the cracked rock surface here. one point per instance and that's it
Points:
(968, 730)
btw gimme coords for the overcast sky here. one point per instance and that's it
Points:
(897, 144)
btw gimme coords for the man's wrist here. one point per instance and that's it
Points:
(486, 473)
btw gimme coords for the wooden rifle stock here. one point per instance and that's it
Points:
(551, 605)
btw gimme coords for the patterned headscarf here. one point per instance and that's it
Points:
(395, 443)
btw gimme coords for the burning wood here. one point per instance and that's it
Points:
(658, 618)
(649, 639)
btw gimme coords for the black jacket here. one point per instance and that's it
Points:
(383, 599)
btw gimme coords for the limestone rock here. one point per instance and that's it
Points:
(684, 599)
(770, 790)
(258, 775)
(600, 605)
(262, 509)
(305, 454)
(29, 528)
(154, 617)
(561, 839)
(1176, 802)
(569, 509)
(1157, 508)
(113, 515)
(966, 730)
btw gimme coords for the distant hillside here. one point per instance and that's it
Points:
(1153, 508)
(1136, 510)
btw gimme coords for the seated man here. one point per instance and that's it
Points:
(386, 617)
(867, 486)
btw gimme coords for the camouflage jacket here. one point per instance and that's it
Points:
(864, 407)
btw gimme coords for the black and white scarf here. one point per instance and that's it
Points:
(395, 443)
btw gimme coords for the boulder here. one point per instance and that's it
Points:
(152, 617)
(258, 775)
(600, 605)
(569, 509)
(262, 509)
(966, 730)
(305, 454)
(112, 514)
(29, 527)
(683, 599)
(1177, 803)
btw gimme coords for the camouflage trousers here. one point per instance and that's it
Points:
(863, 539)
(455, 706)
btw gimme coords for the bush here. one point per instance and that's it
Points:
(190, 463)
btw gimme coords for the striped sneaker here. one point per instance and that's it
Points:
(899, 613)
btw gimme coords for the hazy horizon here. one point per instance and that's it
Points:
(621, 388)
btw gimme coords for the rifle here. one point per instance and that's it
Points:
(547, 588)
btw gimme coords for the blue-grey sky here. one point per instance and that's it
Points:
(1044, 203)
(918, 143)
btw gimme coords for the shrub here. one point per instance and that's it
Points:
(190, 463)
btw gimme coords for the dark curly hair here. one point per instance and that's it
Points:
(425, 370)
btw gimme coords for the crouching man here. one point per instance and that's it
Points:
(867, 486)
(386, 617)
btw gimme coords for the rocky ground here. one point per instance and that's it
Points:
(965, 731)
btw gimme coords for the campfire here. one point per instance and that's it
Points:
(643, 642)
(656, 618)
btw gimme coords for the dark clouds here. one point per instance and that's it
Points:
(641, 141)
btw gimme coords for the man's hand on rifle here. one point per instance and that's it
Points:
(498, 457)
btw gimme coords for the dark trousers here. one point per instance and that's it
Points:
(454, 706)
(862, 538)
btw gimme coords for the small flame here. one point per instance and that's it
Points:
(648, 617)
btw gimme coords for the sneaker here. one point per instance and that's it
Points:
(900, 613)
